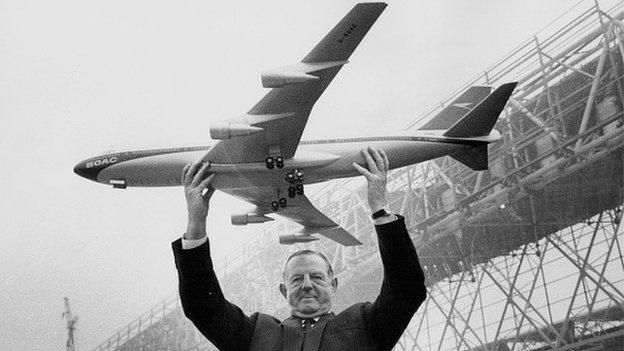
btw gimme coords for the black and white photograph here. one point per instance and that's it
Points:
(312, 175)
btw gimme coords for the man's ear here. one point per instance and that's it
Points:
(282, 289)
(334, 284)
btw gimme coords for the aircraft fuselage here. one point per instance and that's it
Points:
(321, 160)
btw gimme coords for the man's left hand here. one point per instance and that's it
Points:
(376, 175)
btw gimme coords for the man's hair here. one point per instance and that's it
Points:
(330, 271)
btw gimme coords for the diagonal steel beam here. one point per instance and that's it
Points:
(528, 305)
(510, 300)
(590, 267)
(458, 313)
(531, 290)
(581, 276)
(448, 322)
(592, 93)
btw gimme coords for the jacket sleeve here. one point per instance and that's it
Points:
(222, 322)
(403, 287)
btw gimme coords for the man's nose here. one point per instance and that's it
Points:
(307, 283)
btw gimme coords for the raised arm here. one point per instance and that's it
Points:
(222, 322)
(403, 288)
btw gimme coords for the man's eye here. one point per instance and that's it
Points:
(295, 280)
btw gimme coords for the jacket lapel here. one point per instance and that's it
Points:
(314, 335)
(293, 334)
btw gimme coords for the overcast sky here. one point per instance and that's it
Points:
(81, 77)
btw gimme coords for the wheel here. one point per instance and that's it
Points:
(292, 192)
(299, 189)
(275, 205)
(279, 162)
(290, 178)
(299, 174)
(282, 202)
(269, 162)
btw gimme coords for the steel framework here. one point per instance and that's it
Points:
(525, 256)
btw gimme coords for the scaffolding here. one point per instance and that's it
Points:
(524, 256)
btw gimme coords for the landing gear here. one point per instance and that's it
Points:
(296, 175)
(290, 177)
(294, 178)
(299, 174)
(270, 163)
(276, 205)
(279, 162)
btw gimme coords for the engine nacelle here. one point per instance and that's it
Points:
(227, 130)
(249, 217)
(278, 79)
(294, 239)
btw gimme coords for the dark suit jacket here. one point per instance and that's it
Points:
(363, 326)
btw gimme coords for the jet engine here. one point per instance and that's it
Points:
(294, 239)
(249, 217)
(277, 79)
(227, 130)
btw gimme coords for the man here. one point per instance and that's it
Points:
(308, 283)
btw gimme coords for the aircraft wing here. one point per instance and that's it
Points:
(299, 210)
(282, 114)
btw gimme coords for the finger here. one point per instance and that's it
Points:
(191, 172)
(207, 188)
(363, 171)
(372, 167)
(184, 170)
(206, 193)
(200, 174)
(379, 162)
(207, 183)
(385, 158)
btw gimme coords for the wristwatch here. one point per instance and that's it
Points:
(380, 213)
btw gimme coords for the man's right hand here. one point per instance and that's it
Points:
(198, 191)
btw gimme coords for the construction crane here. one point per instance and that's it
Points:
(71, 325)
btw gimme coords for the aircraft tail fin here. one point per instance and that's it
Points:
(458, 108)
(476, 158)
(481, 119)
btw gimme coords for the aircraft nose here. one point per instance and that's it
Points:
(82, 170)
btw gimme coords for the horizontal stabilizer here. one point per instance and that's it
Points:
(480, 120)
(476, 158)
(458, 108)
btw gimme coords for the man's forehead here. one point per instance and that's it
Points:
(307, 262)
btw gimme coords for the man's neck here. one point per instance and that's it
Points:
(314, 315)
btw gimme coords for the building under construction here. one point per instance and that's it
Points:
(525, 256)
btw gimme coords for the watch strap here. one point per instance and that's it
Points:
(379, 213)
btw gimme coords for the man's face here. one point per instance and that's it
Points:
(308, 287)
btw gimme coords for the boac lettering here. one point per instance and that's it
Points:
(102, 162)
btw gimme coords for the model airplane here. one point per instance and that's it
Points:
(261, 159)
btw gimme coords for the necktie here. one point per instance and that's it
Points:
(308, 324)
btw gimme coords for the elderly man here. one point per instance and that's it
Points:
(308, 283)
